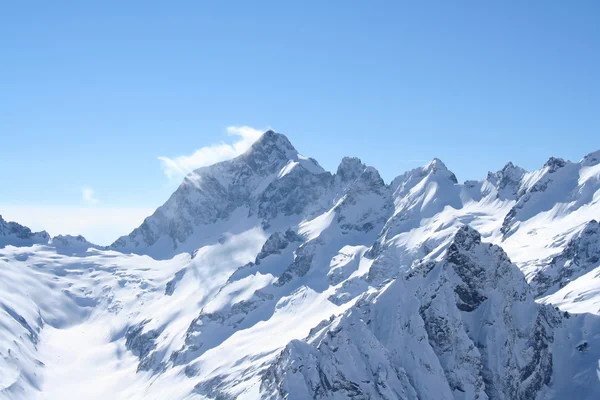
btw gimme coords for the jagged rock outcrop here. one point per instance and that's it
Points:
(350, 169)
(142, 342)
(277, 242)
(367, 202)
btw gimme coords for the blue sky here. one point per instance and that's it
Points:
(93, 93)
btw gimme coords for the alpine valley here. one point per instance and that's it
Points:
(267, 277)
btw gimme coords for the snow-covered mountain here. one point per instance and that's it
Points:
(12, 233)
(463, 326)
(270, 180)
(267, 277)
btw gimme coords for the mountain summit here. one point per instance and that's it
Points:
(210, 195)
(267, 277)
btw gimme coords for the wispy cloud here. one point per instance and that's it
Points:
(88, 195)
(208, 155)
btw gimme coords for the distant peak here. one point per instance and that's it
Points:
(270, 141)
(70, 240)
(436, 163)
(351, 161)
(350, 168)
(591, 159)
(509, 166)
(437, 167)
(20, 231)
(554, 164)
(509, 174)
(270, 152)
(78, 238)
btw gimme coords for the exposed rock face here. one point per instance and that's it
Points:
(367, 202)
(350, 169)
(580, 256)
(142, 342)
(277, 242)
(292, 193)
(554, 164)
(172, 284)
(303, 259)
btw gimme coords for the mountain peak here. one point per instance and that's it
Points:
(70, 241)
(508, 178)
(350, 168)
(436, 163)
(466, 237)
(271, 141)
(591, 159)
(437, 167)
(554, 164)
(270, 153)
(509, 167)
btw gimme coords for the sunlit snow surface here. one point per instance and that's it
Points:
(242, 281)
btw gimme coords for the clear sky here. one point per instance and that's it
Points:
(93, 93)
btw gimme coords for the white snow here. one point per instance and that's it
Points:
(195, 314)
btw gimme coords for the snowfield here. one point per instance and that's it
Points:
(267, 277)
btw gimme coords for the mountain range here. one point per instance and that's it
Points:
(267, 277)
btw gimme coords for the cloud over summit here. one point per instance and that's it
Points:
(208, 155)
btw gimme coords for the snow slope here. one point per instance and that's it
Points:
(267, 277)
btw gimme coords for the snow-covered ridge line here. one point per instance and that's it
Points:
(15, 234)
(267, 277)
